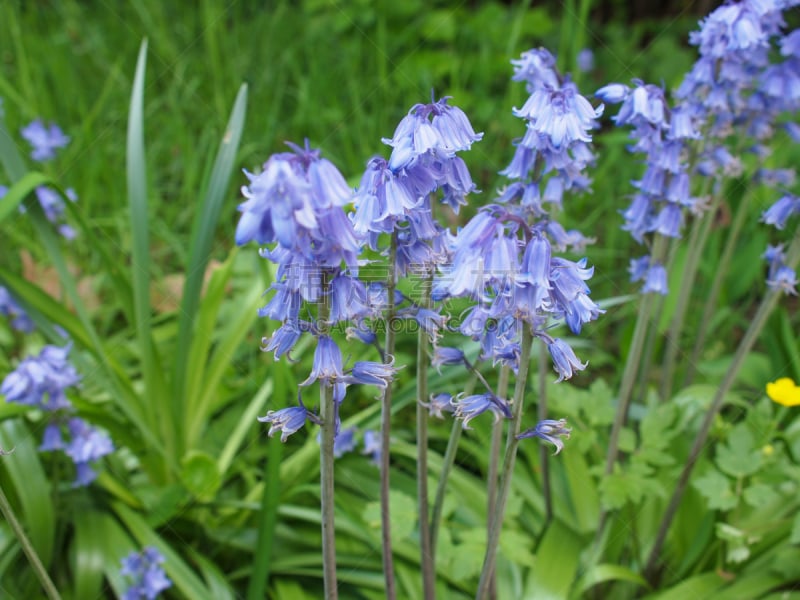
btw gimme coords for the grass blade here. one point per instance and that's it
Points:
(140, 269)
(203, 229)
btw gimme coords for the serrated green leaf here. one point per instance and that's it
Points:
(738, 458)
(760, 494)
(404, 515)
(716, 488)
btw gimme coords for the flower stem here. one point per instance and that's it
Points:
(27, 548)
(328, 417)
(386, 429)
(720, 273)
(327, 414)
(494, 460)
(697, 242)
(756, 325)
(632, 366)
(496, 520)
(426, 556)
(447, 465)
(544, 454)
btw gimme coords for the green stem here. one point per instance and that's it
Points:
(632, 365)
(496, 520)
(386, 429)
(697, 243)
(494, 460)
(327, 415)
(720, 273)
(426, 556)
(756, 325)
(447, 466)
(27, 548)
(544, 453)
(628, 380)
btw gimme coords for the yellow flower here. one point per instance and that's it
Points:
(784, 391)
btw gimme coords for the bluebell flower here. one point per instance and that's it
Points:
(585, 60)
(564, 359)
(562, 115)
(327, 365)
(443, 355)
(777, 214)
(537, 68)
(283, 339)
(549, 431)
(41, 381)
(19, 318)
(373, 373)
(656, 280)
(362, 333)
(343, 442)
(44, 139)
(372, 446)
(87, 446)
(146, 576)
(439, 404)
(287, 420)
(436, 128)
(467, 408)
(52, 439)
(783, 279)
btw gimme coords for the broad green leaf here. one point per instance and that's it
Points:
(31, 486)
(750, 586)
(705, 585)
(200, 475)
(605, 572)
(90, 556)
(556, 564)
(582, 490)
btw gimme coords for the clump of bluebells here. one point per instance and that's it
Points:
(296, 203)
(45, 140)
(503, 259)
(42, 382)
(145, 575)
(728, 106)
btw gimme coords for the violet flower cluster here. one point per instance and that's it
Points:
(145, 575)
(503, 257)
(11, 309)
(732, 88)
(296, 204)
(42, 382)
